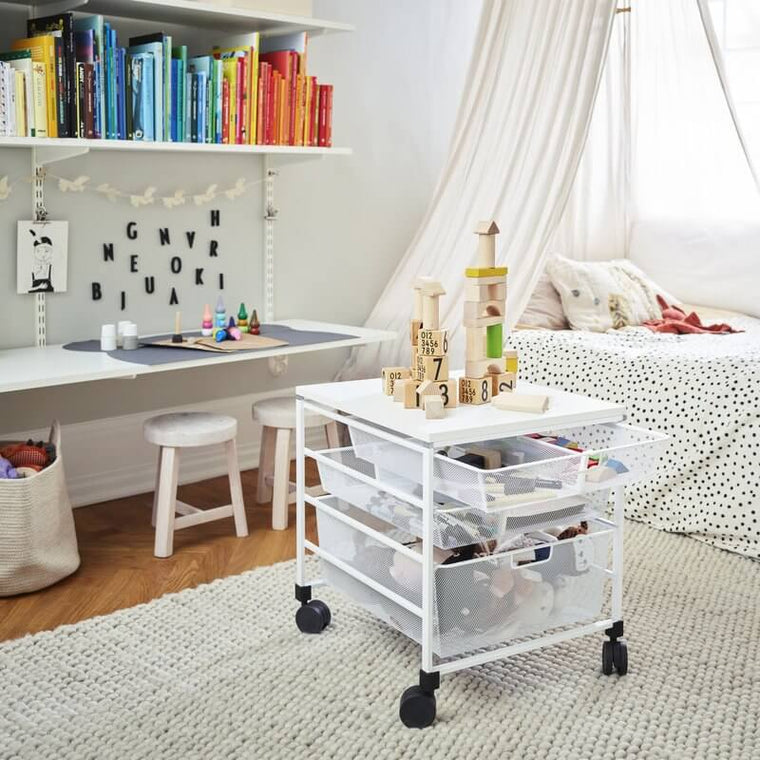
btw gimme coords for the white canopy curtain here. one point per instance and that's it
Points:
(519, 137)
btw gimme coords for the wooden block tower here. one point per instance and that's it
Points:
(428, 375)
(485, 296)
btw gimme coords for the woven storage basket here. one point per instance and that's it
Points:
(38, 543)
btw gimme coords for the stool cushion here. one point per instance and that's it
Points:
(281, 413)
(184, 429)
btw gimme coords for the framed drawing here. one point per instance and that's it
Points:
(42, 257)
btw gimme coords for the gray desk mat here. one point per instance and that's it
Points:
(154, 355)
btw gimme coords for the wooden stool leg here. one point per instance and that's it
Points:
(266, 465)
(281, 480)
(155, 490)
(331, 431)
(236, 489)
(167, 499)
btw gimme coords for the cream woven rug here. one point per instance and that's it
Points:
(222, 672)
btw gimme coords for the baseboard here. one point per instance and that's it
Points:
(110, 459)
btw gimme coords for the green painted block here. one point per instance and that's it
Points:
(494, 341)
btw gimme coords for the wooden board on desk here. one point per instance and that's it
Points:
(247, 342)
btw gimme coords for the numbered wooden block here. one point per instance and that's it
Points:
(474, 390)
(411, 399)
(399, 389)
(503, 383)
(446, 389)
(474, 290)
(432, 367)
(522, 402)
(511, 358)
(390, 375)
(432, 343)
(415, 325)
(434, 407)
(484, 367)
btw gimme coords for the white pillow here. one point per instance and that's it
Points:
(602, 295)
(544, 308)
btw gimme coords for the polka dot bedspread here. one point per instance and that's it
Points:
(702, 390)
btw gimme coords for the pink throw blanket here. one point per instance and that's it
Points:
(675, 320)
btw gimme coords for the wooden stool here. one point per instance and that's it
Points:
(172, 432)
(278, 418)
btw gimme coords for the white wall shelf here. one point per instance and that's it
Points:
(51, 149)
(195, 14)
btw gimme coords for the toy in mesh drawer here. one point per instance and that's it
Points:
(480, 602)
(613, 455)
(454, 524)
(486, 475)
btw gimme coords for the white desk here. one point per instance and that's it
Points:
(28, 368)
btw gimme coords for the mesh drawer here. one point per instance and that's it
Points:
(626, 454)
(454, 524)
(481, 602)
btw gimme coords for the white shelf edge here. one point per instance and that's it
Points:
(197, 14)
(83, 144)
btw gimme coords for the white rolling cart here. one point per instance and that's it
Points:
(401, 499)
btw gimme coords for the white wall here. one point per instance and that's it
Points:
(344, 221)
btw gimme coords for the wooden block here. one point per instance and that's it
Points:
(415, 325)
(432, 368)
(475, 291)
(475, 309)
(491, 457)
(475, 347)
(521, 402)
(503, 383)
(487, 227)
(484, 367)
(434, 408)
(486, 257)
(486, 271)
(432, 342)
(399, 390)
(511, 358)
(494, 340)
(448, 391)
(495, 280)
(390, 375)
(411, 399)
(474, 390)
(482, 321)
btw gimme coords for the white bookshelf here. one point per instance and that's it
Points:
(217, 17)
(80, 145)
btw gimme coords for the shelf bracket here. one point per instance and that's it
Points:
(52, 153)
(278, 365)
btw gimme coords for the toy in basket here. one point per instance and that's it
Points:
(490, 373)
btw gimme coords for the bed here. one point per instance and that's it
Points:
(702, 390)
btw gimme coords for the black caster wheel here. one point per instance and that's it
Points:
(607, 658)
(620, 656)
(417, 708)
(313, 617)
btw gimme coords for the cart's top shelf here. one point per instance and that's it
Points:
(190, 13)
(365, 399)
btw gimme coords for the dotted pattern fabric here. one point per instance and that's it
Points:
(702, 390)
(222, 672)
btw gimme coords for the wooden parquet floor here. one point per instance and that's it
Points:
(119, 570)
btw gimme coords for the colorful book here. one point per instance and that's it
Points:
(166, 42)
(179, 54)
(143, 95)
(61, 24)
(157, 50)
(95, 25)
(42, 49)
(21, 62)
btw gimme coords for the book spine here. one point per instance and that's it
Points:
(321, 133)
(40, 93)
(292, 98)
(81, 101)
(225, 111)
(314, 112)
(188, 89)
(193, 108)
(3, 99)
(260, 95)
(239, 88)
(175, 95)
(52, 98)
(20, 89)
(328, 117)
(245, 97)
(218, 98)
(62, 104)
(69, 52)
